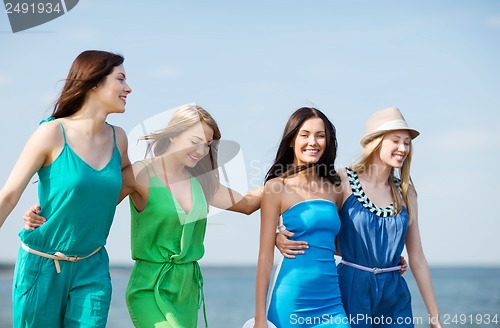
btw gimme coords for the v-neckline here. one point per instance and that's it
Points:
(86, 163)
(176, 202)
(66, 144)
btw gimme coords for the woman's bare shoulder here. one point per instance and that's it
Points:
(274, 185)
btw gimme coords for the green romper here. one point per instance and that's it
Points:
(79, 204)
(165, 289)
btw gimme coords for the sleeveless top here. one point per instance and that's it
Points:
(169, 242)
(307, 286)
(78, 202)
(163, 232)
(369, 235)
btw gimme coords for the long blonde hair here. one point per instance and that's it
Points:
(186, 116)
(399, 197)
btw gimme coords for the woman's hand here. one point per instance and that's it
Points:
(31, 218)
(289, 248)
(404, 265)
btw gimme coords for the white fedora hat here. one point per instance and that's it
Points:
(383, 121)
(250, 323)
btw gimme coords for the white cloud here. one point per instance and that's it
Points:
(4, 79)
(493, 22)
(464, 139)
(168, 72)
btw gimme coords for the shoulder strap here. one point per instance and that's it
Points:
(114, 133)
(63, 132)
(148, 167)
(50, 119)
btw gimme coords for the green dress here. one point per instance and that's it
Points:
(166, 286)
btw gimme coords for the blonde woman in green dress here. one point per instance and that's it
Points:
(169, 198)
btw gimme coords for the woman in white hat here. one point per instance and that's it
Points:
(378, 218)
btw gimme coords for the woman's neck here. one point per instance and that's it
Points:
(377, 172)
(308, 175)
(173, 166)
(90, 120)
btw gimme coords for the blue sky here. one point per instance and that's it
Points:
(252, 63)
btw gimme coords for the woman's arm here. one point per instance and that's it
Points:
(136, 184)
(418, 263)
(231, 200)
(128, 183)
(128, 179)
(270, 212)
(35, 154)
(122, 143)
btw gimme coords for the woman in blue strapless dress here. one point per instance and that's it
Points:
(372, 237)
(307, 288)
(299, 188)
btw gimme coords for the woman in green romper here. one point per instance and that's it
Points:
(169, 198)
(62, 271)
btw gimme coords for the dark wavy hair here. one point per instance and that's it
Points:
(88, 70)
(283, 164)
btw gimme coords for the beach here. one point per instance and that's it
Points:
(467, 297)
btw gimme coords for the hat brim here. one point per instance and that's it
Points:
(369, 137)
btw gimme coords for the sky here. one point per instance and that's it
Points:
(252, 63)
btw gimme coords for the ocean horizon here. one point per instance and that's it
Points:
(467, 296)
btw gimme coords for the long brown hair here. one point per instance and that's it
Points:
(186, 116)
(283, 164)
(88, 70)
(399, 197)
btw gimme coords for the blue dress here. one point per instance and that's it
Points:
(306, 291)
(372, 237)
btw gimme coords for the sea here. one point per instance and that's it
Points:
(467, 297)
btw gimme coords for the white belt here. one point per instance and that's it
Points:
(372, 270)
(58, 256)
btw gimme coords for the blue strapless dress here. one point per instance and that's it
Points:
(306, 290)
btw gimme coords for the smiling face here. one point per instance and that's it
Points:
(112, 92)
(395, 147)
(310, 142)
(192, 145)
